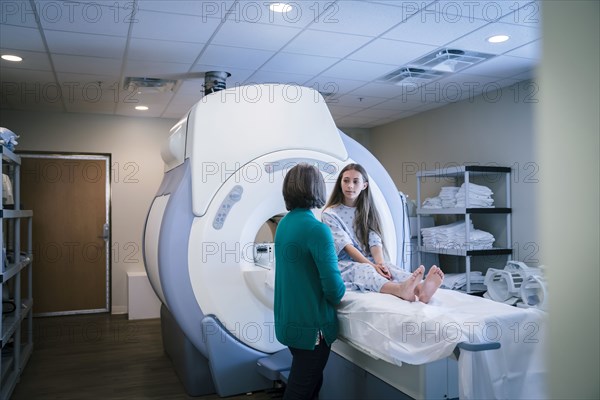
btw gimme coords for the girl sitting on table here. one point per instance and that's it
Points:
(356, 227)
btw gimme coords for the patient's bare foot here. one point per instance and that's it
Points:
(432, 282)
(405, 290)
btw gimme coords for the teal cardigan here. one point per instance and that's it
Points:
(308, 283)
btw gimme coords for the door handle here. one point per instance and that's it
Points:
(105, 232)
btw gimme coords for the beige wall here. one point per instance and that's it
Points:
(474, 131)
(137, 171)
(361, 135)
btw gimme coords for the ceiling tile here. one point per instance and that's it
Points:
(90, 88)
(341, 111)
(486, 10)
(301, 15)
(184, 100)
(408, 4)
(353, 122)
(429, 106)
(502, 67)
(477, 40)
(393, 52)
(428, 29)
(173, 27)
(528, 15)
(206, 9)
(530, 50)
(254, 36)
(347, 69)
(335, 86)
(409, 100)
(18, 13)
(452, 88)
(85, 45)
(277, 77)
(31, 60)
(24, 88)
(350, 100)
(92, 17)
(531, 74)
(26, 75)
(399, 104)
(92, 108)
(156, 105)
(376, 113)
(152, 100)
(298, 64)
(15, 37)
(460, 81)
(385, 90)
(328, 44)
(357, 17)
(92, 65)
(35, 105)
(154, 69)
(163, 51)
(227, 56)
(190, 88)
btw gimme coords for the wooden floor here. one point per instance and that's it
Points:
(101, 356)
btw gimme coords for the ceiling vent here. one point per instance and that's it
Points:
(410, 76)
(433, 66)
(450, 60)
(149, 85)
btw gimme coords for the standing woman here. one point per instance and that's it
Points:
(308, 283)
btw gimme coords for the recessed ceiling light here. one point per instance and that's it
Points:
(141, 108)
(10, 57)
(280, 7)
(498, 38)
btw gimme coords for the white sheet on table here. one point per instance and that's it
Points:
(399, 332)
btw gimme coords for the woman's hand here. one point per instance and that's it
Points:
(382, 270)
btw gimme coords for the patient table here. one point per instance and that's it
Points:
(224, 167)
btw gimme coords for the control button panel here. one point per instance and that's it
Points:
(234, 195)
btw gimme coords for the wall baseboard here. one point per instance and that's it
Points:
(119, 310)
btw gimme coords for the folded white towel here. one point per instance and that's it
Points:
(432, 202)
(479, 196)
(479, 189)
(453, 236)
(448, 192)
(458, 281)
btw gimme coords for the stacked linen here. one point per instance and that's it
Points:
(445, 199)
(448, 196)
(479, 196)
(459, 281)
(453, 236)
(432, 202)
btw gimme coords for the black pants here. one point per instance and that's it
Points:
(306, 375)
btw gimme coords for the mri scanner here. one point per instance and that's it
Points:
(224, 167)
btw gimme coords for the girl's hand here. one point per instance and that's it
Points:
(383, 271)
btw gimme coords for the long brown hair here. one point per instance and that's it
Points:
(367, 217)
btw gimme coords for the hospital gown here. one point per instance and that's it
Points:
(356, 275)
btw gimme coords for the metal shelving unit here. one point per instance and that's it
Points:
(16, 329)
(465, 173)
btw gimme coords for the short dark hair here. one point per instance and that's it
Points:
(304, 187)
